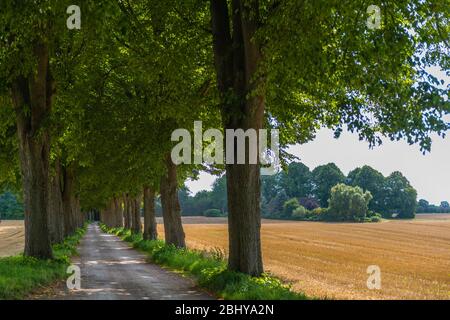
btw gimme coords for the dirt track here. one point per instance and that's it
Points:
(111, 270)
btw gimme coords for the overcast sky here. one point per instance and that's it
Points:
(429, 173)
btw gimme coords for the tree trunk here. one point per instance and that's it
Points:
(237, 56)
(77, 212)
(127, 214)
(136, 215)
(55, 211)
(118, 214)
(32, 100)
(150, 226)
(70, 218)
(173, 228)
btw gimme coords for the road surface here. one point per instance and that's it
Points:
(112, 270)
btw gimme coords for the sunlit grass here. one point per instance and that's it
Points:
(21, 275)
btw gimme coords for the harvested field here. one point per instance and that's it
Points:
(331, 259)
(11, 238)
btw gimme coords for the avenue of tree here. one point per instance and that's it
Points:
(87, 114)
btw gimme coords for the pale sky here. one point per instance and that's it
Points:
(429, 173)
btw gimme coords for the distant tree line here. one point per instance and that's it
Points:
(389, 195)
(11, 208)
(208, 203)
(283, 193)
(425, 207)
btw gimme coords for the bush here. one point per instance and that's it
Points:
(309, 203)
(319, 211)
(214, 213)
(289, 207)
(374, 216)
(300, 212)
(348, 203)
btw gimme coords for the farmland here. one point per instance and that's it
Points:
(11, 238)
(329, 260)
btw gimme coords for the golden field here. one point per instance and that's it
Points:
(11, 238)
(329, 260)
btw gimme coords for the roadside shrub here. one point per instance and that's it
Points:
(213, 213)
(348, 203)
(289, 207)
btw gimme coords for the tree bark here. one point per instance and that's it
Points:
(150, 226)
(32, 100)
(76, 209)
(56, 212)
(136, 215)
(173, 228)
(237, 57)
(127, 209)
(70, 214)
(118, 214)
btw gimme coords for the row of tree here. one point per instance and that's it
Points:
(312, 189)
(426, 207)
(392, 194)
(87, 114)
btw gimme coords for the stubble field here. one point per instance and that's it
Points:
(329, 260)
(11, 238)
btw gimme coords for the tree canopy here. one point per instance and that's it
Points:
(87, 113)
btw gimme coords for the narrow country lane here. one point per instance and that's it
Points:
(112, 270)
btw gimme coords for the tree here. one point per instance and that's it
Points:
(339, 73)
(290, 206)
(275, 206)
(324, 178)
(297, 180)
(173, 228)
(270, 187)
(237, 58)
(400, 196)
(445, 205)
(219, 195)
(348, 203)
(423, 206)
(370, 180)
(35, 43)
(150, 227)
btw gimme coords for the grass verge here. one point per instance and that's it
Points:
(20, 275)
(210, 270)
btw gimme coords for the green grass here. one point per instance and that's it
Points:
(210, 270)
(21, 275)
